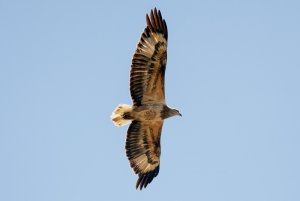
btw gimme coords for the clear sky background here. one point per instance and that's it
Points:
(233, 71)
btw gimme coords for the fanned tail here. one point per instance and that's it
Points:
(121, 115)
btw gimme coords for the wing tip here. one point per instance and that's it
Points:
(156, 23)
(146, 178)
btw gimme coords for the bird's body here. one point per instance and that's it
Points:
(149, 108)
(147, 112)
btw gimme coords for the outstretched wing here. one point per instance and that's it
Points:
(148, 66)
(143, 150)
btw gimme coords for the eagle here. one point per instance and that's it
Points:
(149, 110)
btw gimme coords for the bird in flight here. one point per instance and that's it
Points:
(149, 110)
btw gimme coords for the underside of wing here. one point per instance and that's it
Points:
(149, 62)
(143, 150)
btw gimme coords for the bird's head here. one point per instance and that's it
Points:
(175, 112)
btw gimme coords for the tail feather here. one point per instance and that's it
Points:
(118, 115)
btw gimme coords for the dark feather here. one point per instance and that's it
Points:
(145, 179)
(143, 144)
(147, 69)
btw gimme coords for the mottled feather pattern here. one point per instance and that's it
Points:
(143, 150)
(149, 62)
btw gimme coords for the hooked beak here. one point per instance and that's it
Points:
(180, 114)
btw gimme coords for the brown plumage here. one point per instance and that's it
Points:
(149, 108)
(149, 62)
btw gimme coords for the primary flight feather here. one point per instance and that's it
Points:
(149, 109)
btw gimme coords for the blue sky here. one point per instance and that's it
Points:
(233, 72)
